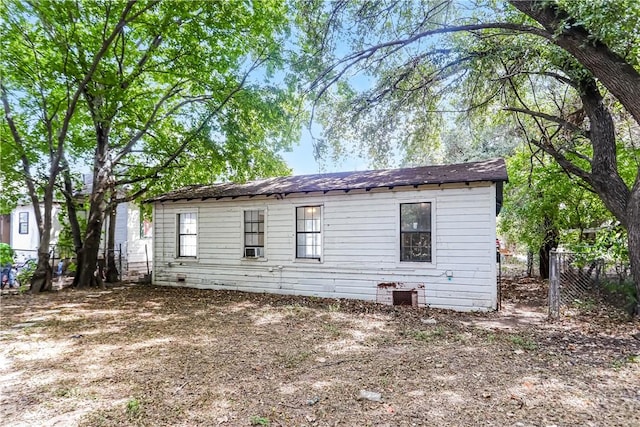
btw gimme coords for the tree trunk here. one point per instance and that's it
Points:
(550, 242)
(88, 274)
(112, 275)
(633, 236)
(91, 245)
(623, 202)
(89, 255)
(623, 81)
(543, 256)
(79, 265)
(41, 279)
(605, 178)
(74, 224)
(543, 260)
(72, 213)
(529, 263)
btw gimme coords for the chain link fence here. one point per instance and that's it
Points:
(577, 279)
(62, 259)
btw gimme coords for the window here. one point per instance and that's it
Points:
(187, 234)
(308, 232)
(254, 234)
(146, 228)
(23, 223)
(415, 232)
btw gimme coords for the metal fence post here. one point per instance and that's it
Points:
(554, 285)
(120, 261)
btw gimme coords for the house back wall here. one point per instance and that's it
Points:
(360, 246)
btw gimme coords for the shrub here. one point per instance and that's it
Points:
(6, 254)
(26, 272)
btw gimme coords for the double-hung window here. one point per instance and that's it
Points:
(309, 232)
(23, 223)
(187, 234)
(415, 232)
(254, 234)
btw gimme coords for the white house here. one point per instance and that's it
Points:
(132, 240)
(24, 234)
(133, 235)
(422, 236)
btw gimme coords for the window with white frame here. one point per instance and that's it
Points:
(187, 234)
(308, 232)
(254, 234)
(415, 232)
(23, 223)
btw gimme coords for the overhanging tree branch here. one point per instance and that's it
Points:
(559, 120)
(208, 118)
(613, 71)
(26, 164)
(352, 59)
(89, 75)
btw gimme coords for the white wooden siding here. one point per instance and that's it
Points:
(135, 244)
(129, 241)
(26, 245)
(360, 246)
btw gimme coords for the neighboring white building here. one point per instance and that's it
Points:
(133, 236)
(25, 238)
(423, 236)
(133, 239)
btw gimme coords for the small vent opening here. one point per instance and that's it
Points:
(405, 298)
(181, 278)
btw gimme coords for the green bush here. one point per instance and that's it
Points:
(72, 267)
(26, 272)
(622, 294)
(6, 254)
(610, 246)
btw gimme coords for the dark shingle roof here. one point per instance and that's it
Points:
(488, 170)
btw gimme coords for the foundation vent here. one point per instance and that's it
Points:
(401, 293)
(405, 298)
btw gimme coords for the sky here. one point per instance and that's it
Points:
(302, 161)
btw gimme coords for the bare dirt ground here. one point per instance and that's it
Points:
(148, 356)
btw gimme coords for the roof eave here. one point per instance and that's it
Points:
(324, 191)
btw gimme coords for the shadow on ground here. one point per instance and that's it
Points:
(142, 355)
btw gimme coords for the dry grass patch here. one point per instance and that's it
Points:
(139, 355)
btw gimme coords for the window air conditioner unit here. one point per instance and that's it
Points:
(253, 252)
